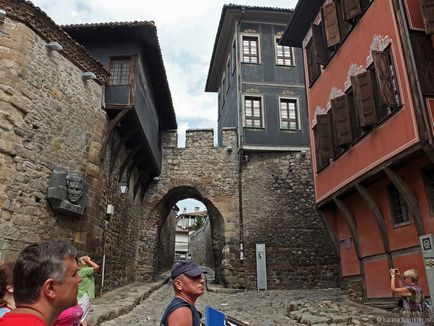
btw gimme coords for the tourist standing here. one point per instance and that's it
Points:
(189, 285)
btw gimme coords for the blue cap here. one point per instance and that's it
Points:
(187, 267)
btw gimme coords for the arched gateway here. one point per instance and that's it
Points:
(276, 196)
(203, 172)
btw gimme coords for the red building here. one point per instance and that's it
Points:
(369, 70)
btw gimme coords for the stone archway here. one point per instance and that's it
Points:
(216, 220)
(205, 173)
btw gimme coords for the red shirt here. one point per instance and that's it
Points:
(21, 320)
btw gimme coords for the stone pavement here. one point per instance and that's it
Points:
(143, 304)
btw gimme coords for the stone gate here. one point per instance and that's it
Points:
(276, 195)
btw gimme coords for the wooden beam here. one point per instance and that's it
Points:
(409, 198)
(366, 176)
(379, 219)
(332, 236)
(139, 181)
(353, 228)
(145, 188)
(111, 128)
(429, 151)
(118, 147)
(351, 223)
(128, 160)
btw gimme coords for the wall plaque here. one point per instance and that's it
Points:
(67, 192)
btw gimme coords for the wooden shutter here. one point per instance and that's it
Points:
(384, 78)
(352, 9)
(342, 120)
(318, 45)
(424, 56)
(364, 98)
(331, 24)
(325, 136)
(428, 15)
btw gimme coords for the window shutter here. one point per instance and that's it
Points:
(325, 136)
(352, 9)
(364, 98)
(424, 57)
(342, 120)
(318, 45)
(384, 78)
(331, 24)
(428, 15)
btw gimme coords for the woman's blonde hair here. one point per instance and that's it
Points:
(412, 274)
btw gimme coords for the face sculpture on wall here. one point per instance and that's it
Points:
(67, 192)
(74, 188)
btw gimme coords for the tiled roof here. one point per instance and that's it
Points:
(110, 24)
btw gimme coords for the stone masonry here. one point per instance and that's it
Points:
(203, 172)
(278, 210)
(200, 244)
(49, 117)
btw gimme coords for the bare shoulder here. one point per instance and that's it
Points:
(180, 317)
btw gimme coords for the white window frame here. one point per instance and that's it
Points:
(297, 109)
(291, 49)
(258, 36)
(261, 97)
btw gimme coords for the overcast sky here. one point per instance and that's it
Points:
(186, 31)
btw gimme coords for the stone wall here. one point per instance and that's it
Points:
(208, 174)
(279, 211)
(201, 245)
(166, 243)
(49, 117)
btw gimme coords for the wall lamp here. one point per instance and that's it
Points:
(229, 149)
(88, 75)
(2, 16)
(54, 46)
(156, 179)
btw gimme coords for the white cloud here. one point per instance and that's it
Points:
(186, 31)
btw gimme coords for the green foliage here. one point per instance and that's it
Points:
(200, 220)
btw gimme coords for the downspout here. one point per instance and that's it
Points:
(240, 134)
(422, 105)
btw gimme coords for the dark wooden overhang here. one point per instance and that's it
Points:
(301, 19)
(145, 33)
(223, 40)
(126, 119)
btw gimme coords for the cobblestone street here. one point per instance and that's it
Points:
(311, 307)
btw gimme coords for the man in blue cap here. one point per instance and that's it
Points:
(188, 284)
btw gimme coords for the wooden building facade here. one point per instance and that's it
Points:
(369, 70)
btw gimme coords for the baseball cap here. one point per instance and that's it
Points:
(187, 267)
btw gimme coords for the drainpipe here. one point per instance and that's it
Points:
(426, 122)
(240, 133)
